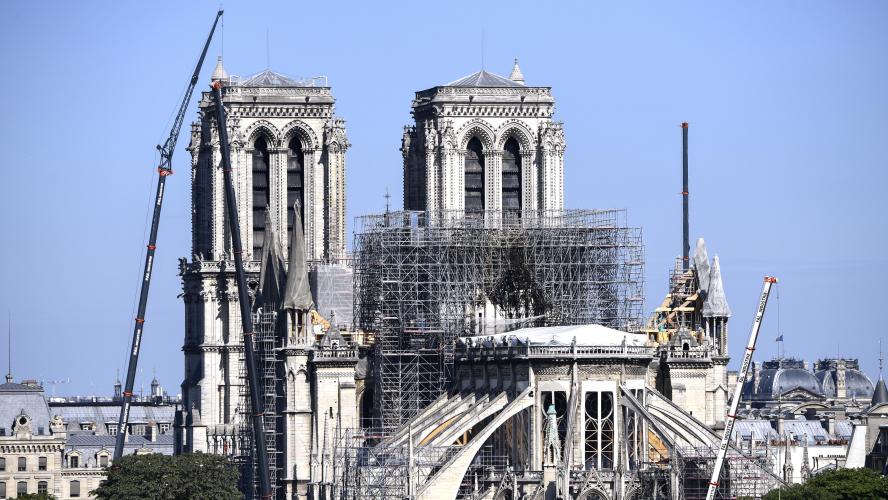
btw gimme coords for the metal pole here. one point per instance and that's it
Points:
(686, 245)
(256, 396)
(163, 170)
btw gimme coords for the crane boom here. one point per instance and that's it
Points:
(741, 379)
(243, 294)
(164, 169)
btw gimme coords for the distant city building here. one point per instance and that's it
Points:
(60, 446)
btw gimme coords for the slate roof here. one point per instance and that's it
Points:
(15, 398)
(483, 79)
(844, 429)
(270, 78)
(111, 413)
(798, 429)
(880, 394)
(754, 429)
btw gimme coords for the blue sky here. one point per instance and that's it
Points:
(787, 103)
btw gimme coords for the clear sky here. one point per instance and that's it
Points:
(787, 104)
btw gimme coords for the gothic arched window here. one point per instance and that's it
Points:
(474, 176)
(511, 175)
(295, 182)
(261, 186)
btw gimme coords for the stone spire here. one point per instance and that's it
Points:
(219, 73)
(787, 459)
(516, 75)
(880, 394)
(805, 470)
(716, 304)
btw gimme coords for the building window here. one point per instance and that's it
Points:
(42, 487)
(511, 176)
(137, 429)
(295, 182)
(74, 461)
(599, 427)
(75, 489)
(2, 489)
(474, 176)
(21, 488)
(2, 464)
(112, 429)
(164, 428)
(22, 464)
(103, 460)
(41, 463)
(261, 186)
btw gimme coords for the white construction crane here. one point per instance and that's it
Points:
(741, 379)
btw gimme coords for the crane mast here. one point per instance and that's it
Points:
(164, 170)
(243, 294)
(741, 379)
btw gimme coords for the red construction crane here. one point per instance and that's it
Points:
(164, 170)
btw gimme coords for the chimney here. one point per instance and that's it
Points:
(151, 431)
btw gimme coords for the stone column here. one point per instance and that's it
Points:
(493, 180)
(528, 181)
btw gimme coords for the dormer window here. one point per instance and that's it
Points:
(112, 429)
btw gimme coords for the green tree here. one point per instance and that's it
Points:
(194, 476)
(840, 484)
(35, 496)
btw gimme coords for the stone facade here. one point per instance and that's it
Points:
(492, 110)
(288, 147)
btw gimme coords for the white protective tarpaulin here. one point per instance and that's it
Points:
(585, 335)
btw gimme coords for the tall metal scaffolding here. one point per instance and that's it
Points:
(266, 344)
(423, 279)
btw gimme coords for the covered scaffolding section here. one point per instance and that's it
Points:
(423, 279)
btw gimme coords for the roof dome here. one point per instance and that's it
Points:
(857, 385)
(779, 377)
(787, 379)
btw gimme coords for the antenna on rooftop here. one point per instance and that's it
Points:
(9, 348)
(482, 49)
(267, 51)
(387, 197)
(880, 358)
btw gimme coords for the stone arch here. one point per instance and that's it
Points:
(476, 128)
(263, 127)
(302, 130)
(517, 129)
(592, 493)
(441, 484)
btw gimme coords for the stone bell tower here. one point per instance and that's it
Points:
(484, 143)
(287, 150)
